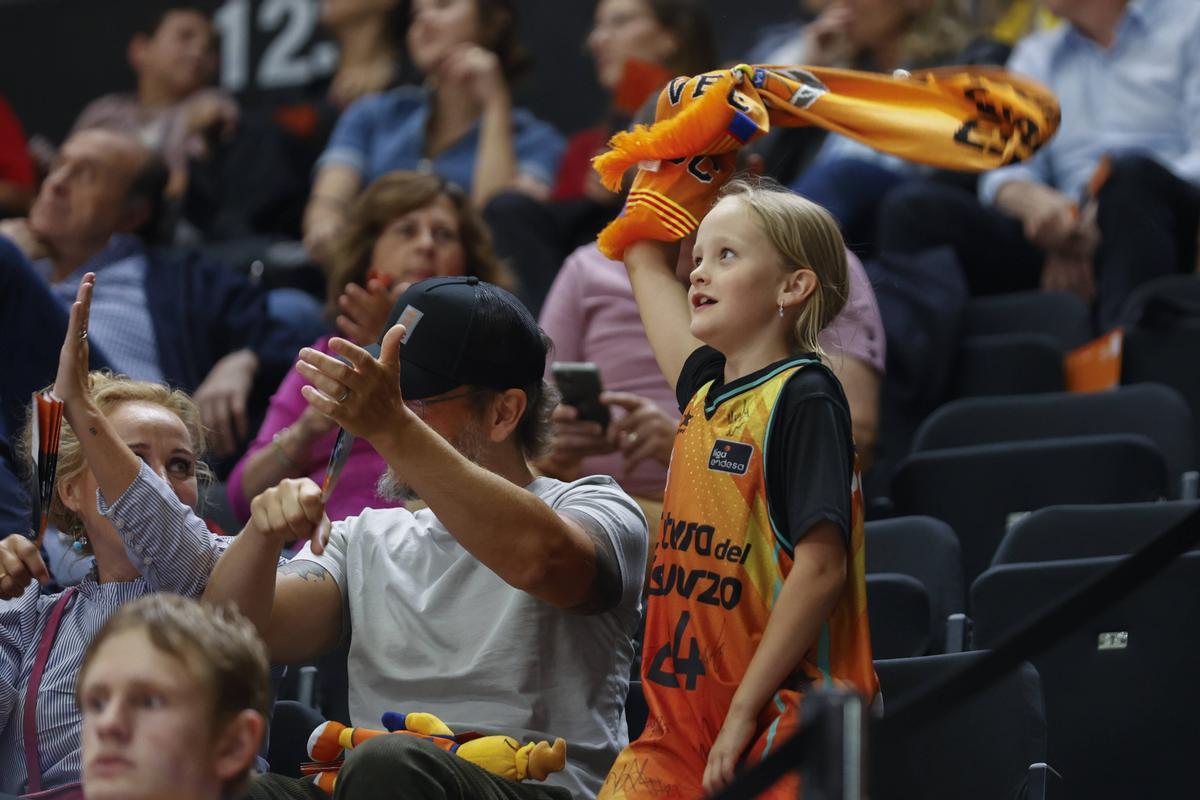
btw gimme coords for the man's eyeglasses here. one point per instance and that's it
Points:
(418, 406)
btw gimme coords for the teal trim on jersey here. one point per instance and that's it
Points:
(782, 540)
(778, 587)
(721, 398)
(823, 654)
(781, 708)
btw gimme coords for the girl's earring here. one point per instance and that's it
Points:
(781, 310)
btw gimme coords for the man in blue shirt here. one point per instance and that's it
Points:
(1114, 199)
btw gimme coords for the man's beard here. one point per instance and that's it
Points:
(469, 442)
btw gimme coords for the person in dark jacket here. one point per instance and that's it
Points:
(177, 318)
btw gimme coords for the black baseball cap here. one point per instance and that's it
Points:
(464, 331)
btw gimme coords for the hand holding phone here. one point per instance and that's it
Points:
(579, 382)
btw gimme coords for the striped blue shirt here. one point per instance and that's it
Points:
(1139, 95)
(119, 323)
(174, 552)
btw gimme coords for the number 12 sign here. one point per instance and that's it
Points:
(280, 35)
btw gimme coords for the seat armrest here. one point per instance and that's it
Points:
(1044, 782)
(958, 633)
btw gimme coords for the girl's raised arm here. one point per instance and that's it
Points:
(663, 304)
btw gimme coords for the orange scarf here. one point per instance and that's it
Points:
(971, 118)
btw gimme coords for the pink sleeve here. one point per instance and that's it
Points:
(858, 330)
(287, 404)
(562, 313)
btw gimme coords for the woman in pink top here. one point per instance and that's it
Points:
(591, 315)
(404, 228)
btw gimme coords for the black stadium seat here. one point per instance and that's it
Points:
(977, 489)
(1061, 316)
(898, 609)
(1010, 363)
(1153, 410)
(982, 750)
(1121, 691)
(926, 549)
(1061, 533)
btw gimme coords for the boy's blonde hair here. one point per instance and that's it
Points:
(806, 236)
(109, 391)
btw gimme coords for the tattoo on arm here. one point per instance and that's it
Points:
(310, 571)
(605, 592)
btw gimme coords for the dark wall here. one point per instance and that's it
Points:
(56, 55)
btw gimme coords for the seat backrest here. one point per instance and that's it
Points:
(1061, 533)
(1153, 410)
(1062, 316)
(927, 549)
(976, 489)
(898, 610)
(980, 750)
(1012, 363)
(1121, 690)
(1167, 357)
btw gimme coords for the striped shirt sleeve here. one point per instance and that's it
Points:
(18, 625)
(170, 546)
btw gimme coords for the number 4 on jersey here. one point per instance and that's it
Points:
(690, 667)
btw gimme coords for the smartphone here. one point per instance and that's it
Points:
(579, 382)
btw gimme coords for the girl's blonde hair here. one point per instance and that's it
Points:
(109, 391)
(806, 236)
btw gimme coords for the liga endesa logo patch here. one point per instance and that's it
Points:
(727, 456)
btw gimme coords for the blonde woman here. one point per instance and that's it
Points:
(126, 490)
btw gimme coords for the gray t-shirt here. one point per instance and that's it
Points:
(435, 630)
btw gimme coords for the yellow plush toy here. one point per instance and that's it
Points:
(501, 755)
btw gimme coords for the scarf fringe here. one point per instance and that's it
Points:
(690, 132)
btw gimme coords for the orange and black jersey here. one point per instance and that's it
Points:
(755, 464)
(811, 425)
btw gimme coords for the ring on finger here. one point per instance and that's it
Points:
(345, 395)
(632, 437)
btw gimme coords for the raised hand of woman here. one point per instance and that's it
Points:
(71, 382)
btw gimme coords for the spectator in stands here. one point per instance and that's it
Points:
(16, 167)
(846, 177)
(461, 125)
(173, 111)
(511, 601)
(1053, 221)
(125, 492)
(405, 227)
(674, 35)
(174, 701)
(365, 31)
(193, 323)
(636, 46)
(591, 315)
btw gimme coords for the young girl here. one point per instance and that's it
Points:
(757, 590)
